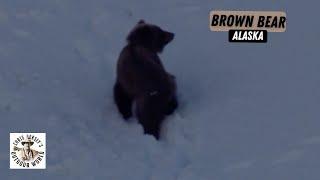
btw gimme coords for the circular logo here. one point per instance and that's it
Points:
(27, 150)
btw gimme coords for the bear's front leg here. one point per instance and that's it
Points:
(123, 101)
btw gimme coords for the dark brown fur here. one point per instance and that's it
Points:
(141, 77)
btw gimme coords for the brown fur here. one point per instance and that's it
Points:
(141, 77)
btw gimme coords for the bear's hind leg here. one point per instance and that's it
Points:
(123, 101)
(150, 116)
(172, 106)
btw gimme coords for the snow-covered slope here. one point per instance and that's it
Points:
(247, 111)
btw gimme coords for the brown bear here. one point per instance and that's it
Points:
(141, 78)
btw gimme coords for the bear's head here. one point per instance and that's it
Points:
(149, 36)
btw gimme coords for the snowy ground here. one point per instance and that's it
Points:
(248, 111)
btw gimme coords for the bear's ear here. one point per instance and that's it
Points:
(141, 21)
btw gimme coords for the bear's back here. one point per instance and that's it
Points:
(140, 71)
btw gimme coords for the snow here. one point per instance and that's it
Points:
(247, 111)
